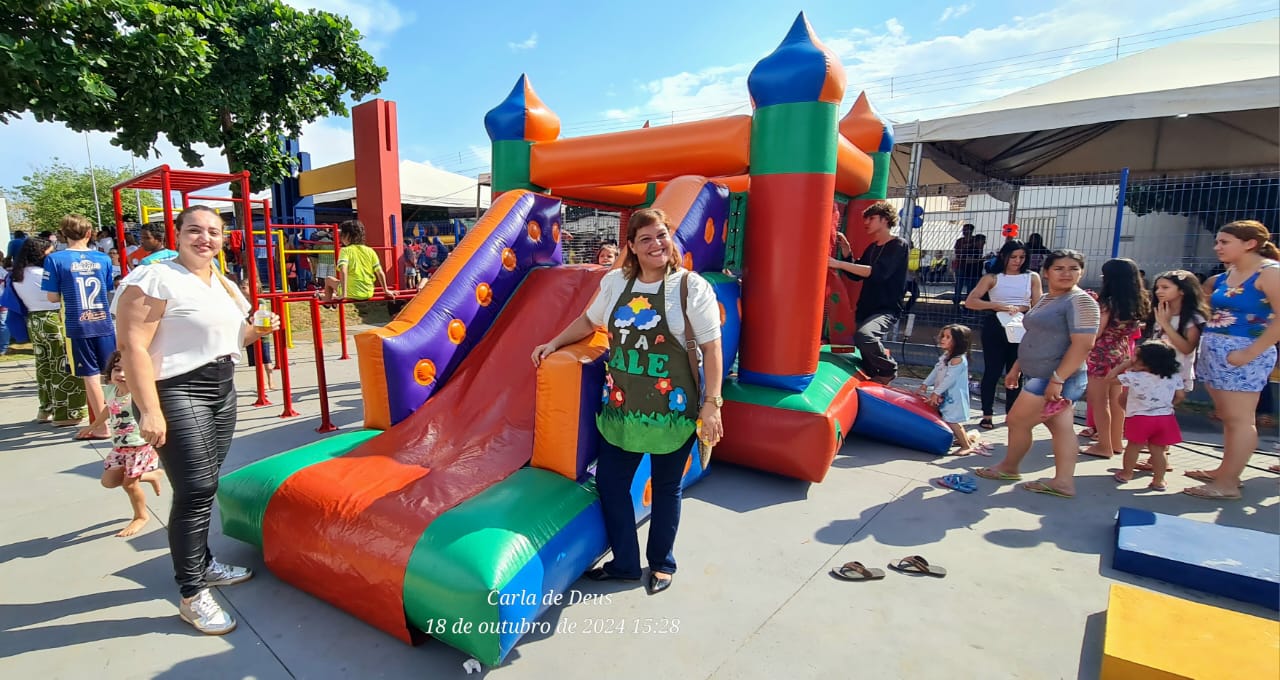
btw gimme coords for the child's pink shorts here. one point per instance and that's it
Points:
(1154, 430)
(136, 460)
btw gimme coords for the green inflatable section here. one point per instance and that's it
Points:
(475, 549)
(243, 495)
(834, 370)
(511, 165)
(782, 139)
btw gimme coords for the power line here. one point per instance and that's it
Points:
(919, 84)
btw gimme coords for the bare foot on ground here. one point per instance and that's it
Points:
(134, 527)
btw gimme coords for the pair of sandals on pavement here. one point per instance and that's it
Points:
(913, 565)
(1038, 486)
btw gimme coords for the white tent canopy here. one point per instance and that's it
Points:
(1208, 102)
(426, 185)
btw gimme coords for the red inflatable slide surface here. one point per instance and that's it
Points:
(343, 530)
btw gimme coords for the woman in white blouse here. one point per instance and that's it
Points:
(1011, 290)
(180, 327)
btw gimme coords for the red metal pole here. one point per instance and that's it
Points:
(266, 234)
(342, 330)
(282, 358)
(322, 387)
(166, 201)
(342, 311)
(261, 374)
(121, 246)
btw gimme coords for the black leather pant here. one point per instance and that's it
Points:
(200, 410)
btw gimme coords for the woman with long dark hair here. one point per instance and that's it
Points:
(1012, 291)
(61, 395)
(181, 326)
(1124, 302)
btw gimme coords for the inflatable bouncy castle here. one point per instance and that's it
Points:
(467, 506)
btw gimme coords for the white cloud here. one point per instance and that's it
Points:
(910, 78)
(328, 141)
(377, 20)
(954, 12)
(528, 44)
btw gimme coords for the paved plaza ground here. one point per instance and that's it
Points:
(1025, 597)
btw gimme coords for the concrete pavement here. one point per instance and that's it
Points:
(1025, 596)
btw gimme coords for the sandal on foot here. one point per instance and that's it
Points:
(918, 566)
(996, 475)
(1087, 452)
(854, 571)
(1088, 433)
(1121, 480)
(1210, 494)
(1041, 487)
(986, 423)
(1144, 465)
(1157, 487)
(1203, 476)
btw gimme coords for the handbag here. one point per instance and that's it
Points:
(691, 349)
(1013, 329)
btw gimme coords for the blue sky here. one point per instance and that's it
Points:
(607, 66)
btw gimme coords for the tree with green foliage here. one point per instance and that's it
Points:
(50, 192)
(236, 76)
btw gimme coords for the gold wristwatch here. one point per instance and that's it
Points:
(718, 401)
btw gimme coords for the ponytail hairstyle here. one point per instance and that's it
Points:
(1253, 230)
(1159, 357)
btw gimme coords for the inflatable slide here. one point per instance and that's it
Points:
(468, 505)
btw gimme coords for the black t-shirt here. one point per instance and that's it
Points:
(882, 291)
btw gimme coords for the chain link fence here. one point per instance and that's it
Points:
(1163, 222)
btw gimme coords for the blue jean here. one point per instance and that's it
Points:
(1073, 388)
(4, 330)
(615, 469)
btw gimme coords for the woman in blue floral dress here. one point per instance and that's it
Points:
(1238, 347)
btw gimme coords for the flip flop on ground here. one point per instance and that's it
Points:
(1044, 488)
(961, 483)
(1095, 454)
(918, 566)
(1210, 494)
(854, 571)
(996, 475)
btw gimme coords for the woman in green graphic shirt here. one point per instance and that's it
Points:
(650, 398)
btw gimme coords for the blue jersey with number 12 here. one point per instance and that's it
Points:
(83, 278)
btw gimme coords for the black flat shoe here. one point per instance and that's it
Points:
(600, 574)
(657, 585)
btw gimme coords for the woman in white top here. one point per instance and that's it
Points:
(1010, 291)
(650, 397)
(180, 327)
(62, 395)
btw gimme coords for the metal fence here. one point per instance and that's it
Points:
(1165, 222)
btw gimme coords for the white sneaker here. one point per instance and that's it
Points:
(219, 574)
(204, 612)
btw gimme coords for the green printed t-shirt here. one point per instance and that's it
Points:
(360, 262)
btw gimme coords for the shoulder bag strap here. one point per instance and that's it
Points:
(690, 344)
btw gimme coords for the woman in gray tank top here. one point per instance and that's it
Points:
(1060, 331)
